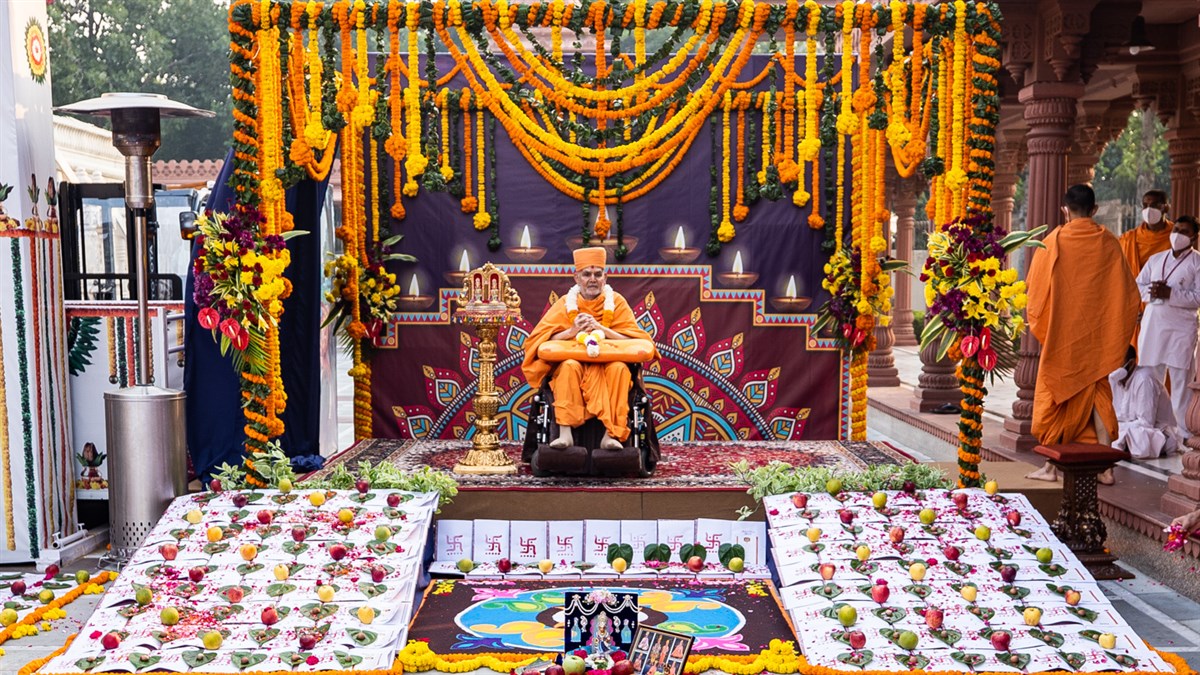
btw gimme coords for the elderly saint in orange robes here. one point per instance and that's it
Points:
(586, 390)
(1083, 306)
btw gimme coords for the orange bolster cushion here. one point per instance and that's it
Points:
(622, 351)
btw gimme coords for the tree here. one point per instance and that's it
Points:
(173, 47)
(1135, 162)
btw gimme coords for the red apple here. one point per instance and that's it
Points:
(338, 551)
(308, 640)
(951, 552)
(1072, 597)
(169, 550)
(110, 641)
(299, 533)
(378, 573)
(393, 500)
(215, 485)
(880, 593)
(622, 667)
(827, 570)
(196, 574)
(362, 485)
(1000, 640)
(554, 669)
(504, 565)
(51, 571)
(1008, 573)
(934, 617)
(909, 487)
(235, 595)
(265, 516)
(695, 563)
(269, 616)
(240, 500)
(959, 499)
(1013, 517)
(857, 639)
(846, 515)
(800, 500)
(896, 534)
(18, 587)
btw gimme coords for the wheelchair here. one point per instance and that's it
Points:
(638, 457)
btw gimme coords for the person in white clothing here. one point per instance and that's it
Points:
(1146, 422)
(1170, 286)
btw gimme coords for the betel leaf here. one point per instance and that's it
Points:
(657, 553)
(687, 551)
(623, 551)
(728, 552)
(89, 663)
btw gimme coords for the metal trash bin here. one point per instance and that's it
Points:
(147, 462)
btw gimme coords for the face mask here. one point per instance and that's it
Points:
(1151, 215)
(1180, 241)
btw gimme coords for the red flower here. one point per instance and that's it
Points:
(241, 340)
(230, 328)
(969, 345)
(619, 656)
(208, 318)
(311, 660)
(987, 360)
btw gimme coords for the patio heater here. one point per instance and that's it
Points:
(145, 424)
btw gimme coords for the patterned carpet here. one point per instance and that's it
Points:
(700, 465)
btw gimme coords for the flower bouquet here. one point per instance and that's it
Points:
(370, 286)
(974, 315)
(854, 308)
(239, 283)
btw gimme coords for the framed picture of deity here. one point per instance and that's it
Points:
(659, 652)
(599, 621)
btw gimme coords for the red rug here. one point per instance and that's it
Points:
(699, 465)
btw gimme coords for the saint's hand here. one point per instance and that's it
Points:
(1189, 522)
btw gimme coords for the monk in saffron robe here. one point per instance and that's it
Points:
(1152, 236)
(586, 390)
(1083, 305)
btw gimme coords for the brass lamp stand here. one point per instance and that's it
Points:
(486, 302)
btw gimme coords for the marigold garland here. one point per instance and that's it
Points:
(615, 135)
(54, 607)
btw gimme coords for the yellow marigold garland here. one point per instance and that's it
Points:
(53, 609)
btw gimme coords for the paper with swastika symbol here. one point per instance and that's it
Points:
(491, 540)
(527, 541)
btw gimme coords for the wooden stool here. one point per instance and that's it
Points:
(1078, 524)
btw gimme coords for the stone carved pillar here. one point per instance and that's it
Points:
(1050, 114)
(1183, 147)
(937, 384)
(904, 205)
(881, 365)
(1004, 192)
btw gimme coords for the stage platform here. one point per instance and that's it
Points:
(694, 480)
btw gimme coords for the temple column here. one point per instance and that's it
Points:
(1050, 114)
(881, 365)
(904, 205)
(1183, 147)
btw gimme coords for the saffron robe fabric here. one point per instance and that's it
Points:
(1083, 306)
(585, 390)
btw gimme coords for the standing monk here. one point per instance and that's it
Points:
(1083, 306)
(586, 390)
(1152, 236)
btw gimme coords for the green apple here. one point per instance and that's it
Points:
(879, 499)
(169, 616)
(927, 516)
(212, 640)
(833, 486)
(383, 533)
(1045, 555)
(847, 615)
(983, 532)
(736, 565)
(82, 577)
(907, 640)
(863, 552)
(8, 617)
(143, 596)
(285, 485)
(46, 596)
(1107, 640)
(466, 565)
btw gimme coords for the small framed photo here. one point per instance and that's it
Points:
(659, 652)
